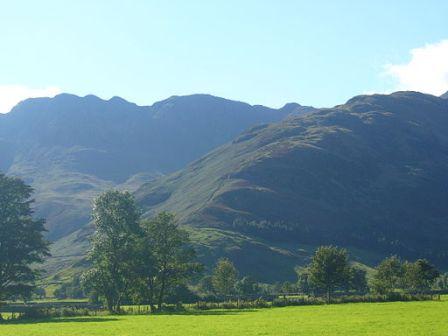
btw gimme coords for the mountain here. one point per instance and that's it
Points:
(445, 95)
(370, 175)
(70, 148)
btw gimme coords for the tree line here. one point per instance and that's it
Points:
(146, 260)
(152, 261)
(330, 271)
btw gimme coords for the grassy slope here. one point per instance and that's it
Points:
(356, 175)
(72, 148)
(360, 174)
(259, 258)
(410, 318)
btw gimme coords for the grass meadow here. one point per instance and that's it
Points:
(397, 318)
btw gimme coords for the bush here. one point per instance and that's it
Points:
(391, 297)
(181, 293)
(240, 304)
(36, 313)
(297, 301)
(33, 313)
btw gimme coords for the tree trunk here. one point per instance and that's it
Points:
(118, 304)
(117, 307)
(110, 306)
(161, 294)
(329, 295)
(150, 285)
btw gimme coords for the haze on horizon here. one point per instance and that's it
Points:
(318, 54)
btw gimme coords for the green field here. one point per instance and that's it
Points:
(400, 318)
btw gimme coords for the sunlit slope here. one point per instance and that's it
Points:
(370, 174)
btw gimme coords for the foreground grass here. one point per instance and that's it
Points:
(398, 318)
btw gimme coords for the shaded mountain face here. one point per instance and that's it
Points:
(445, 95)
(370, 174)
(71, 148)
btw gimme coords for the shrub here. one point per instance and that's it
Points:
(35, 313)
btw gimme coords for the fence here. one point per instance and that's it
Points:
(22, 307)
(231, 301)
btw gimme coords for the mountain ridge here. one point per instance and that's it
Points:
(264, 194)
(71, 148)
(357, 175)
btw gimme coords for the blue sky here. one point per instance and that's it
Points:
(317, 53)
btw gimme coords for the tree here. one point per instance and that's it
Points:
(40, 293)
(70, 289)
(21, 239)
(224, 277)
(181, 294)
(420, 275)
(205, 285)
(116, 219)
(389, 275)
(442, 281)
(303, 281)
(166, 260)
(329, 269)
(247, 286)
(287, 288)
(357, 280)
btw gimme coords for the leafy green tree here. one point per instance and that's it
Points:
(116, 220)
(389, 275)
(72, 289)
(21, 239)
(181, 294)
(329, 269)
(247, 286)
(166, 260)
(205, 285)
(287, 288)
(357, 280)
(420, 275)
(224, 277)
(39, 293)
(303, 281)
(442, 282)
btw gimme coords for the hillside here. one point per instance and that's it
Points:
(70, 148)
(369, 175)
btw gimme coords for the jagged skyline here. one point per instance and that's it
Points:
(318, 54)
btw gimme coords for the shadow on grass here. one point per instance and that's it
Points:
(58, 320)
(205, 312)
(91, 319)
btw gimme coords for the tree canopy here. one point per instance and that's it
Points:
(21, 239)
(329, 269)
(224, 277)
(165, 259)
(389, 275)
(420, 275)
(116, 219)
